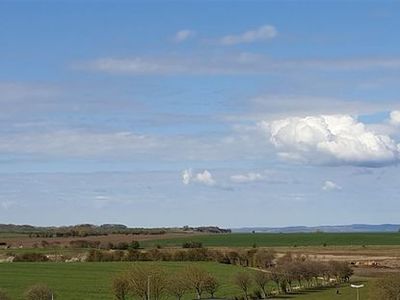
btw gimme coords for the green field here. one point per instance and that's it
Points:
(283, 240)
(90, 281)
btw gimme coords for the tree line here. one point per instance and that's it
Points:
(144, 281)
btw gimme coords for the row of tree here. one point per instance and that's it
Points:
(293, 272)
(259, 258)
(252, 258)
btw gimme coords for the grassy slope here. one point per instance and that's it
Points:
(284, 240)
(90, 281)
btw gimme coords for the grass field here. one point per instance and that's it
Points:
(283, 240)
(90, 281)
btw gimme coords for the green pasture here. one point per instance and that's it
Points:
(92, 281)
(283, 240)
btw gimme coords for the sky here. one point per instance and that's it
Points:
(173, 113)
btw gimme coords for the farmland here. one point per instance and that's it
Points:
(283, 240)
(92, 280)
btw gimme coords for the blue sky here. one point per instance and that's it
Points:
(230, 113)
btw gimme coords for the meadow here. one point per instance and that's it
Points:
(282, 240)
(92, 281)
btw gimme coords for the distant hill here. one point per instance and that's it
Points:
(90, 229)
(334, 228)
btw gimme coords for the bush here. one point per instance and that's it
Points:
(134, 245)
(98, 255)
(30, 257)
(39, 292)
(192, 244)
(120, 287)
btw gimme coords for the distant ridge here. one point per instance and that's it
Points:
(332, 228)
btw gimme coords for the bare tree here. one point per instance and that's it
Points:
(243, 281)
(197, 278)
(120, 286)
(211, 285)
(264, 258)
(178, 285)
(261, 279)
(341, 270)
(144, 279)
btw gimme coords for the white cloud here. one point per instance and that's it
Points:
(204, 177)
(245, 178)
(183, 35)
(331, 139)
(331, 186)
(262, 33)
(395, 117)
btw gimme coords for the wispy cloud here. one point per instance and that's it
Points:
(246, 178)
(15, 91)
(125, 145)
(262, 33)
(76, 143)
(184, 35)
(230, 64)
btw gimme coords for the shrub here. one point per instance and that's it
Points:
(134, 245)
(120, 287)
(30, 257)
(192, 244)
(39, 292)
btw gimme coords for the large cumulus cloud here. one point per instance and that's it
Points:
(331, 139)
